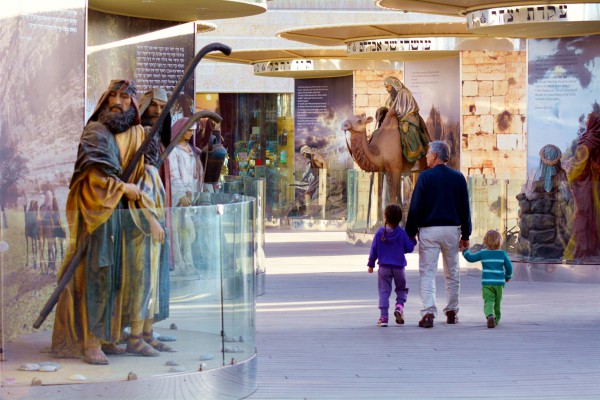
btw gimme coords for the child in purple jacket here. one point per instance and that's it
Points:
(389, 246)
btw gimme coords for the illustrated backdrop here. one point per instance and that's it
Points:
(42, 70)
(564, 83)
(321, 105)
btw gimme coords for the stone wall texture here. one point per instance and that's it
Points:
(494, 135)
(494, 101)
(369, 92)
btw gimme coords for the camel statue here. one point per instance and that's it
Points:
(383, 153)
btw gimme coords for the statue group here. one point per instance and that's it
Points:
(121, 248)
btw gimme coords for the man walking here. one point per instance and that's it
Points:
(439, 212)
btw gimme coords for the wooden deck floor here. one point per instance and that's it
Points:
(317, 335)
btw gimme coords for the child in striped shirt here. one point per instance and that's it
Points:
(497, 270)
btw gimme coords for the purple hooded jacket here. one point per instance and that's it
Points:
(390, 249)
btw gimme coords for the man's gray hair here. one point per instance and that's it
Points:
(440, 148)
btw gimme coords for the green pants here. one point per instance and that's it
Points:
(492, 297)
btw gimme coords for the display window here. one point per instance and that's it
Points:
(258, 133)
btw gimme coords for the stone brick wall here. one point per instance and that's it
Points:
(369, 92)
(494, 134)
(494, 101)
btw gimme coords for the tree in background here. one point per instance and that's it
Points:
(12, 168)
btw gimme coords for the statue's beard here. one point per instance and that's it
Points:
(117, 121)
(147, 119)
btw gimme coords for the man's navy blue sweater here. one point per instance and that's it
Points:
(440, 198)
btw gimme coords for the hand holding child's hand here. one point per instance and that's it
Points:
(370, 270)
(507, 280)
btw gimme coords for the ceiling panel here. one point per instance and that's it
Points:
(181, 10)
(544, 30)
(341, 34)
(455, 7)
(260, 55)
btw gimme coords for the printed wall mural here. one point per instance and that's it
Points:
(320, 107)
(560, 203)
(41, 118)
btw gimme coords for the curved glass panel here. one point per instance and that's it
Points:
(253, 187)
(313, 194)
(541, 222)
(197, 288)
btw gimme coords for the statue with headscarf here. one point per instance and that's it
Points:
(413, 130)
(185, 174)
(152, 103)
(584, 174)
(545, 205)
(148, 260)
(548, 175)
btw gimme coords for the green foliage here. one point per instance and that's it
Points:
(12, 166)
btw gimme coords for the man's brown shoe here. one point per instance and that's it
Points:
(451, 317)
(426, 321)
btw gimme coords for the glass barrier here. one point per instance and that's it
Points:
(368, 195)
(539, 222)
(319, 194)
(194, 292)
(253, 187)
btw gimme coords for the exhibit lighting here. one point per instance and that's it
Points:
(11, 9)
(178, 30)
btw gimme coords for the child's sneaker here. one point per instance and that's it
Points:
(383, 321)
(399, 314)
(491, 321)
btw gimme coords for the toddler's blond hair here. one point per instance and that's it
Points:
(492, 239)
